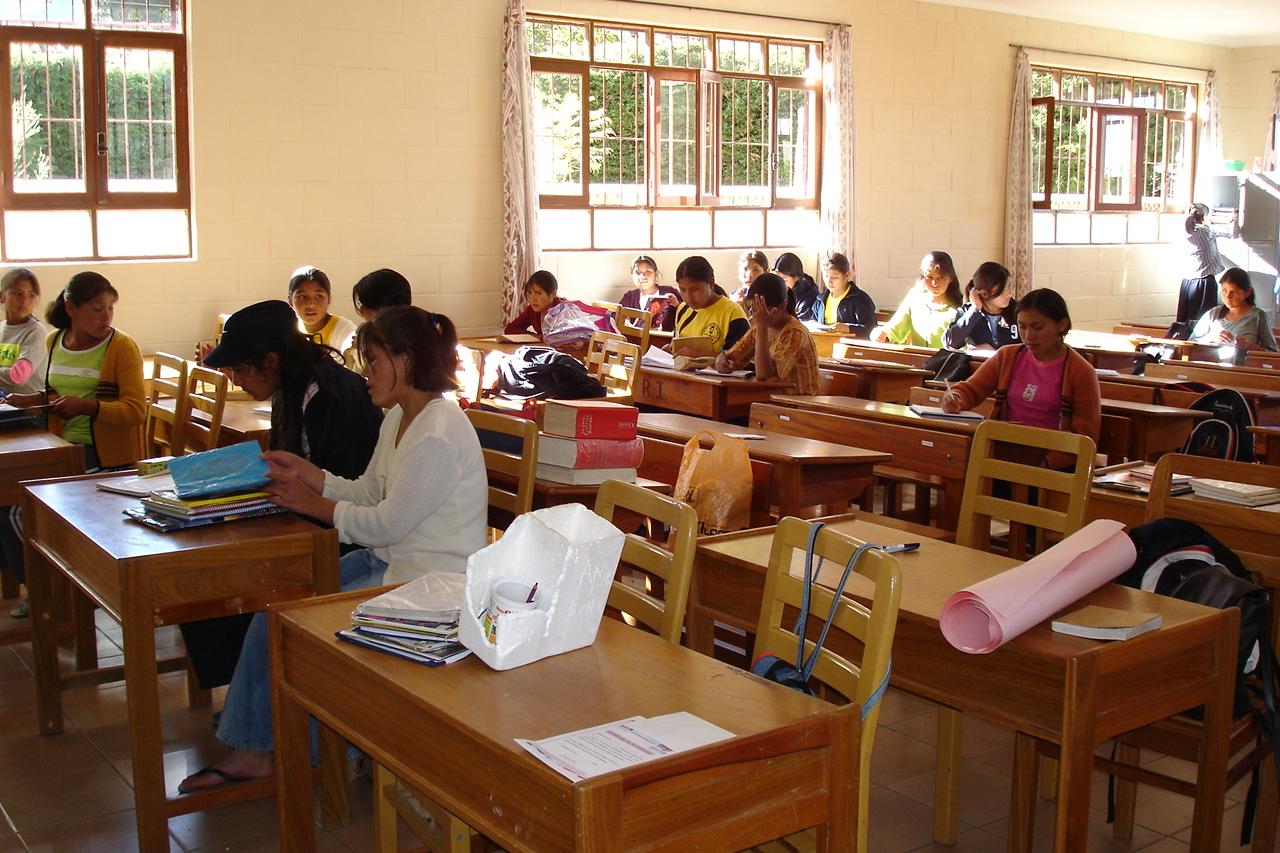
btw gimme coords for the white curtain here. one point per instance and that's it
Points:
(1017, 192)
(1271, 151)
(837, 142)
(520, 253)
(1210, 144)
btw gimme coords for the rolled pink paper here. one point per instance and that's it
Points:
(20, 371)
(982, 618)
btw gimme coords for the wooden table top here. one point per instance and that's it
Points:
(1150, 410)
(775, 448)
(709, 379)
(21, 440)
(870, 365)
(99, 516)
(856, 407)
(863, 342)
(931, 574)
(238, 416)
(625, 672)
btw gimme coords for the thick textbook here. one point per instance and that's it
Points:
(590, 452)
(589, 419)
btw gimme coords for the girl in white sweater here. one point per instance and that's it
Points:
(420, 506)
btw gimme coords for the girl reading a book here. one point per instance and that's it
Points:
(660, 300)
(928, 308)
(421, 505)
(541, 291)
(843, 302)
(1040, 382)
(705, 311)
(310, 295)
(94, 376)
(779, 344)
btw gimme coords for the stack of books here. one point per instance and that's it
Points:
(1241, 494)
(585, 442)
(165, 511)
(417, 621)
(1137, 479)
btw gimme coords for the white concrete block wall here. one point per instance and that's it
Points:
(355, 136)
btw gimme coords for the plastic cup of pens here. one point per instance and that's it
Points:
(507, 595)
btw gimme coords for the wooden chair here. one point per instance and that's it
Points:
(206, 392)
(615, 362)
(164, 431)
(1255, 537)
(871, 627)
(635, 324)
(511, 475)
(671, 566)
(1059, 508)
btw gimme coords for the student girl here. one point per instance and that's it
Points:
(751, 265)
(803, 291)
(779, 344)
(94, 376)
(22, 335)
(1237, 321)
(661, 300)
(420, 506)
(380, 289)
(540, 292)
(320, 411)
(987, 320)
(1039, 382)
(843, 302)
(928, 308)
(310, 294)
(704, 311)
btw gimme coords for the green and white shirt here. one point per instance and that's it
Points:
(76, 373)
(23, 340)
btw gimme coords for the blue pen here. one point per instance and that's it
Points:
(902, 548)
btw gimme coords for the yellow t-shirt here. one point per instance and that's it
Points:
(832, 315)
(337, 332)
(712, 321)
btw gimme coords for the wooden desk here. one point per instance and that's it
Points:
(241, 420)
(1128, 508)
(28, 453)
(1261, 388)
(788, 768)
(1064, 690)
(806, 472)
(856, 348)
(930, 446)
(144, 579)
(1266, 444)
(1154, 430)
(717, 397)
(886, 381)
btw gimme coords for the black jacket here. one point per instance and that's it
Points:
(857, 311)
(971, 328)
(807, 296)
(341, 421)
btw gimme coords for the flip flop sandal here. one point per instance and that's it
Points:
(227, 779)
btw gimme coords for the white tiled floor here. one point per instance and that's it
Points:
(72, 792)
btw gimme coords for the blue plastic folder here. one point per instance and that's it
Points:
(238, 468)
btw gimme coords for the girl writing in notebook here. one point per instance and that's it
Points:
(779, 344)
(421, 505)
(988, 319)
(1039, 382)
(705, 311)
(541, 291)
(928, 308)
(843, 302)
(310, 295)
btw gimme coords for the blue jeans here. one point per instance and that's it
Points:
(246, 717)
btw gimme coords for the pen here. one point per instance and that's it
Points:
(532, 594)
(901, 548)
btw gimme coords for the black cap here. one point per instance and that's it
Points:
(264, 326)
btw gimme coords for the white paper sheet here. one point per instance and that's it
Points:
(137, 487)
(613, 746)
(711, 371)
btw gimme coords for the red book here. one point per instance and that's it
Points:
(589, 453)
(589, 419)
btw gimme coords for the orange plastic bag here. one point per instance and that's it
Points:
(716, 482)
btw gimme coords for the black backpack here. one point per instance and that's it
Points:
(535, 371)
(1224, 435)
(949, 365)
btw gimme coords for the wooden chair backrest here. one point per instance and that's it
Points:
(595, 348)
(615, 363)
(871, 626)
(672, 565)
(662, 463)
(163, 435)
(508, 499)
(1253, 534)
(206, 392)
(635, 324)
(978, 506)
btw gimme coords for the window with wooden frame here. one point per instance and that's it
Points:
(650, 117)
(96, 128)
(1103, 142)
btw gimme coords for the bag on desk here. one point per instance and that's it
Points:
(716, 482)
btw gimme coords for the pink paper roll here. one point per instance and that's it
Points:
(981, 618)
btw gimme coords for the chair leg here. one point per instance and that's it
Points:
(1049, 778)
(197, 696)
(1126, 792)
(8, 585)
(384, 814)
(946, 782)
(1264, 819)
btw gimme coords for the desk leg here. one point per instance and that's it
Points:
(146, 750)
(294, 804)
(947, 775)
(700, 629)
(85, 632)
(787, 488)
(335, 809)
(949, 512)
(44, 640)
(1075, 763)
(1211, 776)
(1022, 805)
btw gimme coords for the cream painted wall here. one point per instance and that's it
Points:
(355, 136)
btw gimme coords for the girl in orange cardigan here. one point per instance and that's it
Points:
(1040, 382)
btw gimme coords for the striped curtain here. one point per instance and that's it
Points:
(520, 253)
(1017, 194)
(836, 215)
